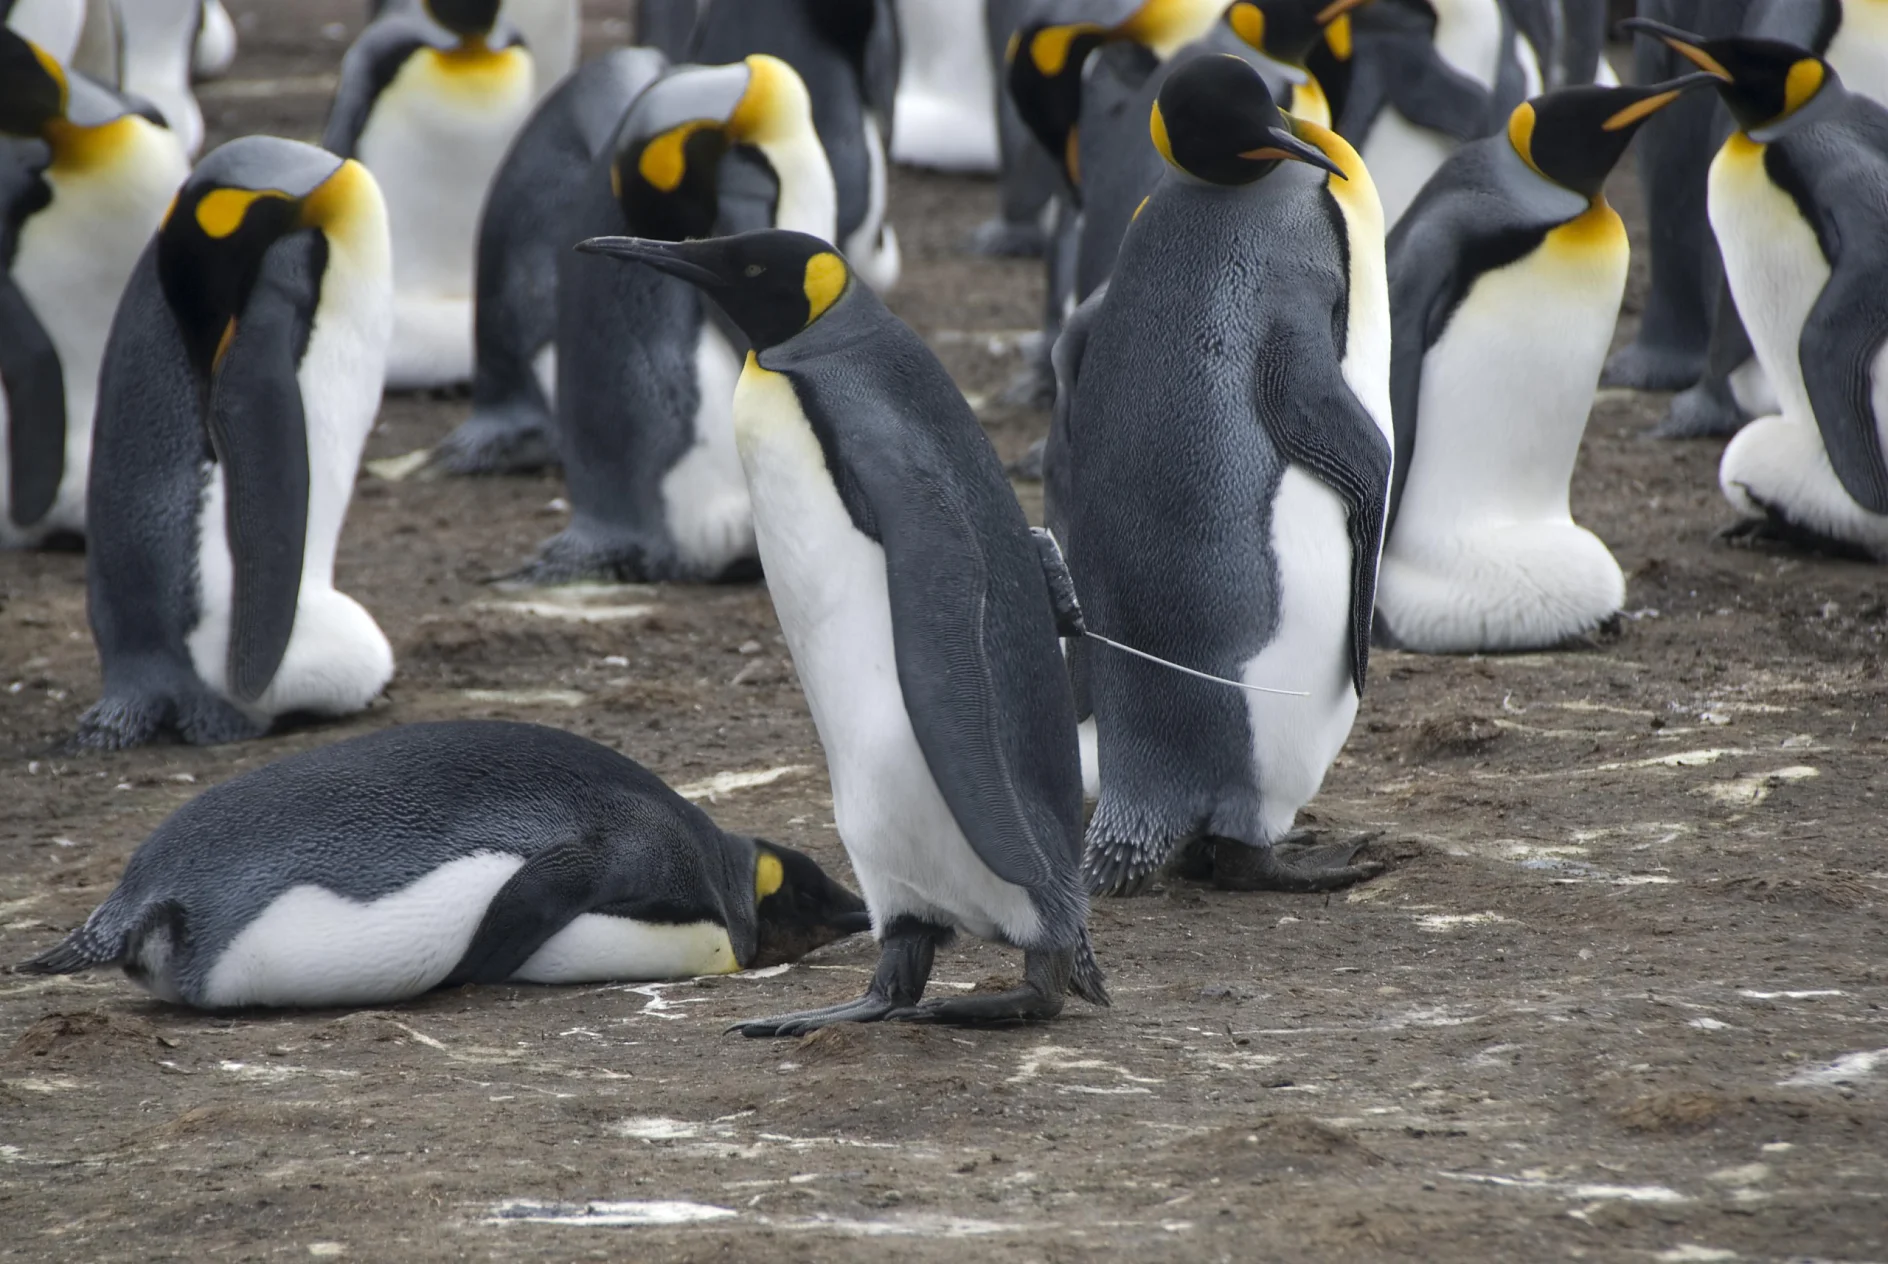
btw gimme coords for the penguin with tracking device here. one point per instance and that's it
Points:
(1796, 198)
(526, 229)
(429, 101)
(78, 202)
(241, 377)
(472, 851)
(1506, 275)
(645, 368)
(917, 609)
(1216, 474)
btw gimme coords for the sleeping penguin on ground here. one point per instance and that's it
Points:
(241, 377)
(429, 101)
(918, 611)
(1796, 198)
(471, 851)
(78, 202)
(1506, 275)
(1216, 474)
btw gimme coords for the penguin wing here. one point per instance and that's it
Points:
(1840, 343)
(366, 70)
(258, 431)
(1429, 92)
(36, 408)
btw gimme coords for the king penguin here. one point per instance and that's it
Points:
(429, 102)
(1506, 275)
(645, 369)
(524, 232)
(241, 377)
(1216, 474)
(918, 613)
(945, 114)
(375, 869)
(77, 205)
(158, 40)
(551, 30)
(1796, 204)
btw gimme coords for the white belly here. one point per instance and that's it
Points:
(829, 588)
(1294, 740)
(312, 947)
(54, 25)
(873, 247)
(945, 112)
(704, 494)
(159, 42)
(1401, 157)
(595, 948)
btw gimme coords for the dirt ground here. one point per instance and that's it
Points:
(1620, 998)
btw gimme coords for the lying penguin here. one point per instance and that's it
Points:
(1796, 204)
(77, 205)
(1216, 472)
(429, 101)
(471, 851)
(1506, 275)
(917, 610)
(240, 381)
(526, 229)
(646, 369)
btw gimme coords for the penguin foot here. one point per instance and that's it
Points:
(999, 238)
(870, 1008)
(1778, 530)
(1293, 864)
(496, 443)
(1637, 366)
(574, 555)
(120, 723)
(906, 952)
(1706, 411)
(1045, 988)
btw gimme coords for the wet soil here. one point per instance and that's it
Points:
(1620, 996)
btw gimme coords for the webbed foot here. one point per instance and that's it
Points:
(904, 967)
(514, 442)
(1296, 863)
(1044, 990)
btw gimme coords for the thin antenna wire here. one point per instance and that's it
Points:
(1221, 680)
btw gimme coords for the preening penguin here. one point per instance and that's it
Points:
(1506, 275)
(429, 101)
(915, 605)
(645, 370)
(526, 229)
(375, 869)
(1216, 474)
(1796, 198)
(241, 377)
(78, 202)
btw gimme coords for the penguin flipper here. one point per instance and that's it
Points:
(1432, 94)
(369, 66)
(36, 408)
(1840, 343)
(258, 431)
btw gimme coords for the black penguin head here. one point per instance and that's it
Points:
(1762, 81)
(668, 152)
(468, 19)
(1215, 120)
(798, 907)
(1575, 136)
(39, 97)
(1287, 30)
(772, 283)
(241, 199)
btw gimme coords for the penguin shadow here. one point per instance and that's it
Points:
(1778, 536)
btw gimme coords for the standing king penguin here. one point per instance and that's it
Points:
(158, 40)
(918, 612)
(1216, 475)
(1506, 275)
(1796, 199)
(945, 115)
(241, 378)
(77, 205)
(645, 368)
(429, 101)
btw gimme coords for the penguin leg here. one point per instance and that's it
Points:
(124, 718)
(904, 967)
(512, 441)
(1046, 975)
(1709, 408)
(1289, 865)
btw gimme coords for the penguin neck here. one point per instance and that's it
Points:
(1827, 101)
(77, 150)
(1167, 26)
(809, 199)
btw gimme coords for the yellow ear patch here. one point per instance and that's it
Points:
(1803, 82)
(1049, 48)
(1638, 110)
(221, 211)
(663, 162)
(54, 71)
(1521, 134)
(825, 282)
(769, 874)
(1247, 21)
(1157, 127)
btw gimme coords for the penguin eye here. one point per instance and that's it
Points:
(755, 269)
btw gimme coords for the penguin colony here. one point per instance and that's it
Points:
(1331, 284)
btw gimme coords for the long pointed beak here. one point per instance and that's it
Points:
(1684, 43)
(1289, 148)
(664, 256)
(1662, 95)
(853, 923)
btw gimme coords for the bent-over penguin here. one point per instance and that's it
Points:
(78, 202)
(471, 851)
(1216, 474)
(1796, 198)
(645, 368)
(525, 230)
(241, 377)
(1506, 275)
(429, 101)
(918, 613)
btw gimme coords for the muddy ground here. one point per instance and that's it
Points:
(1620, 998)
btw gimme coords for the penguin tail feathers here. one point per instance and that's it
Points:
(81, 950)
(1086, 979)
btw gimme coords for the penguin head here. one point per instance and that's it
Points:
(40, 98)
(468, 19)
(798, 907)
(1287, 30)
(772, 283)
(1762, 81)
(241, 199)
(669, 149)
(1215, 121)
(1575, 136)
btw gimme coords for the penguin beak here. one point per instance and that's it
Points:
(1661, 95)
(1684, 43)
(1288, 148)
(664, 256)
